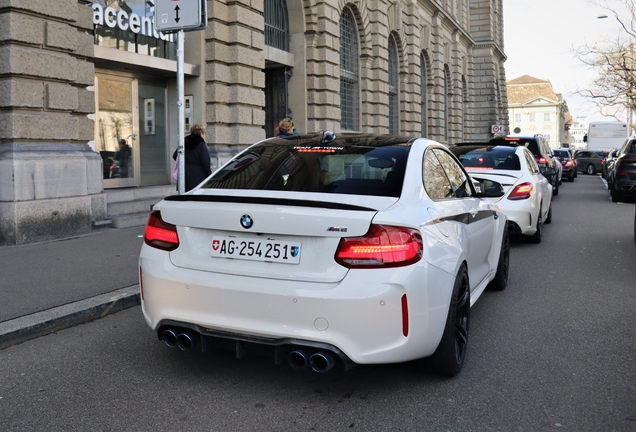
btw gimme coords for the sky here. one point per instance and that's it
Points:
(538, 39)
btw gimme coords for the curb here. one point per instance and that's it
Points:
(28, 327)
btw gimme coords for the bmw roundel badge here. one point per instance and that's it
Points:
(246, 221)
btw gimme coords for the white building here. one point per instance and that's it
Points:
(534, 108)
(578, 130)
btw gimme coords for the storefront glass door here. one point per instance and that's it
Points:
(115, 132)
(130, 132)
(155, 167)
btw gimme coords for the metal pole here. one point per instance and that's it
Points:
(181, 113)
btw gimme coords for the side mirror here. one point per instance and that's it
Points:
(490, 189)
(477, 186)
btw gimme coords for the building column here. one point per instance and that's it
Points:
(50, 178)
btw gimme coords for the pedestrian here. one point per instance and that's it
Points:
(197, 158)
(122, 159)
(285, 128)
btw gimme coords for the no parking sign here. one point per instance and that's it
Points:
(495, 129)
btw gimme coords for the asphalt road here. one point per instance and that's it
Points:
(553, 352)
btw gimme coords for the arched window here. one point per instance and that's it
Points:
(394, 126)
(446, 100)
(349, 72)
(276, 24)
(424, 95)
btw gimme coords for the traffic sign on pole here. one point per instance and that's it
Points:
(175, 15)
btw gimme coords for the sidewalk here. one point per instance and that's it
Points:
(52, 285)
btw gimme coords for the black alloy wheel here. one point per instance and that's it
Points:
(450, 354)
(615, 194)
(591, 170)
(536, 237)
(500, 281)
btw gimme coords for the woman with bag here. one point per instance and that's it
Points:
(197, 158)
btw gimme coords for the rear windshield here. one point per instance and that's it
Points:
(301, 163)
(562, 154)
(488, 158)
(530, 143)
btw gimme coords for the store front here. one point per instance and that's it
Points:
(131, 92)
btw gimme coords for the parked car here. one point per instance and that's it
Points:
(621, 180)
(558, 165)
(590, 161)
(527, 199)
(544, 157)
(320, 250)
(608, 162)
(569, 167)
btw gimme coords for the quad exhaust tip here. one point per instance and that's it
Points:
(321, 361)
(185, 340)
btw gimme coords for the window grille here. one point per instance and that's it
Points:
(349, 79)
(393, 88)
(276, 24)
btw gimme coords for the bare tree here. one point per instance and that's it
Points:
(614, 89)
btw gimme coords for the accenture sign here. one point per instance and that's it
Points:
(125, 21)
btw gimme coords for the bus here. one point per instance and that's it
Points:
(606, 135)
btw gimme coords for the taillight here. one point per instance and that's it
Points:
(521, 192)
(160, 234)
(568, 163)
(542, 160)
(383, 246)
(602, 160)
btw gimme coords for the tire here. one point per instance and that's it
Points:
(536, 237)
(576, 173)
(591, 170)
(448, 358)
(616, 195)
(500, 281)
(548, 218)
(571, 177)
(555, 190)
(635, 227)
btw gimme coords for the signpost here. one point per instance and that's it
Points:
(179, 16)
(496, 129)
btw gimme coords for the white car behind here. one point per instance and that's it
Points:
(528, 195)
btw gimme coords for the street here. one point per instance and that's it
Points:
(554, 351)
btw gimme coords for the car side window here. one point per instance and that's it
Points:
(436, 183)
(456, 175)
(532, 163)
(444, 177)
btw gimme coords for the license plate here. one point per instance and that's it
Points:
(256, 250)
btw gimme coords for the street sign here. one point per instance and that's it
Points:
(175, 15)
(496, 129)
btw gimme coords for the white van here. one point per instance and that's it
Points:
(606, 135)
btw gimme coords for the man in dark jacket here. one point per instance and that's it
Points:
(197, 158)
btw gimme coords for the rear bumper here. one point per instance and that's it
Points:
(361, 316)
(626, 187)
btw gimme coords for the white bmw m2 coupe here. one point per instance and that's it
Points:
(322, 250)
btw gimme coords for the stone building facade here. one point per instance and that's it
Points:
(77, 77)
